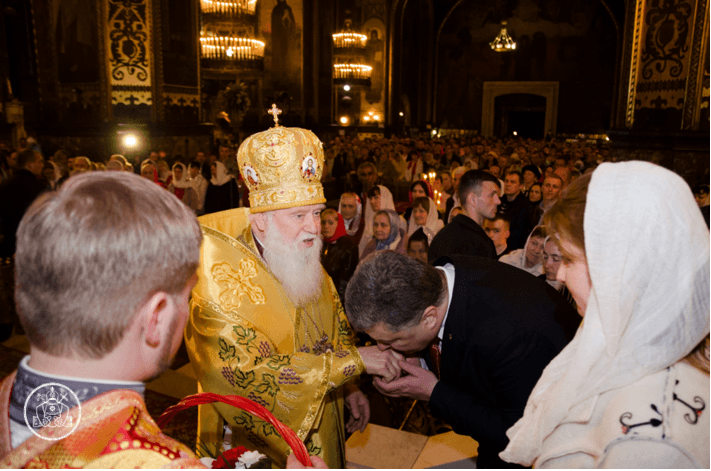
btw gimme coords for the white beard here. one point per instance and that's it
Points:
(298, 269)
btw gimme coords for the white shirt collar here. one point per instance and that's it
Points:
(448, 270)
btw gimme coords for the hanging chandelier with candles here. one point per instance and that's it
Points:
(230, 47)
(226, 37)
(503, 42)
(349, 67)
(347, 39)
(228, 7)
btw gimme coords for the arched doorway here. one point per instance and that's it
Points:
(522, 113)
(547, 90)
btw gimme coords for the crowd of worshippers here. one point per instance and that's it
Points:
(439, 285)
(495, 212)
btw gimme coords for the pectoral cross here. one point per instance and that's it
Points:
(275, 112)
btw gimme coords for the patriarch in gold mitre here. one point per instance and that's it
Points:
(266, 322)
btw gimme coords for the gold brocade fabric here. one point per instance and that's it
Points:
(114, 431)
(245, 337)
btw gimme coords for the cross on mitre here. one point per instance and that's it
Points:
(275, 112)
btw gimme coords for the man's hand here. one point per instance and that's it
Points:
(418, 384)
(292, 462)
(359, 407)
(385, 363)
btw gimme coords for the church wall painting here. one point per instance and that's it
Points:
(282, 30)
(373, 98)
(128, 39)
(663, 66)
(569, 42)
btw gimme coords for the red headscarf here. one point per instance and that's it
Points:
(340, 231)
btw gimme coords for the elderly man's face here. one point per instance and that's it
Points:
(348, 207)
(300, 225)
(534, 251)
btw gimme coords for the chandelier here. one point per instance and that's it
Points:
(227, 36)
(347, 39)
(228, 7)
(230, 47)
(503, 41)
(349, 67)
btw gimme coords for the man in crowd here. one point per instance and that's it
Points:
(199, 184)
(454, 199)
(352, 212)
(16, 195)
(479, 196)
(485, 332)
(266, 322)
(104, 311)
(368, 176)
(517, 209)
(497, 228)
(228, 159)
(550, 192)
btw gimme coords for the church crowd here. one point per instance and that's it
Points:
(541, 298)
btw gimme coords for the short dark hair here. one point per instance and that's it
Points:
(472, 181)
(422, 184)
(374, 191)
(194, 164)
(25, 157)
(393, 289)
(419, 236)
(515, 172)
(502, 217)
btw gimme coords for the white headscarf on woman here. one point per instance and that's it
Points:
(386, 202)
(647, 250)
(432, 225)
(221, 177)
(183, 182)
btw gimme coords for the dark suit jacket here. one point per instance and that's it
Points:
(503, 327)
(16, 195)
(462, 236)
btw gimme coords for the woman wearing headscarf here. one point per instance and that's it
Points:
(182, 188)
(222, 190)
(339, 254)
(424, 216)
(387, 234)
(632, 388)
(418, 189)
(385, 201)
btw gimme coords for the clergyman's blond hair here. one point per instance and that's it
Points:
(91, 254)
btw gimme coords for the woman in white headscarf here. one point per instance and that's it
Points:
(182, 188)
(424, 216)
(632, 388)
(385, 201)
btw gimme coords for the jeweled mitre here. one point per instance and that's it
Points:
(282, 168)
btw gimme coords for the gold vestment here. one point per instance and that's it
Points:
(245, 337)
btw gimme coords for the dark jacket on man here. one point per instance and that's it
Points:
(518, 213)
(462, 236)
(503, 327)
(16, 195)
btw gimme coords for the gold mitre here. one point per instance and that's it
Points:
(282, 167)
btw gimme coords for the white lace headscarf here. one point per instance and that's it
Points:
(386, 202)
(647, 250)
(184, 182)
(433, 223)
(221, 176)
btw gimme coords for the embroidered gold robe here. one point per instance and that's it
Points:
(114, 431)
(246, 337)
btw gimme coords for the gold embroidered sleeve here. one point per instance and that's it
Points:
(237, 358)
